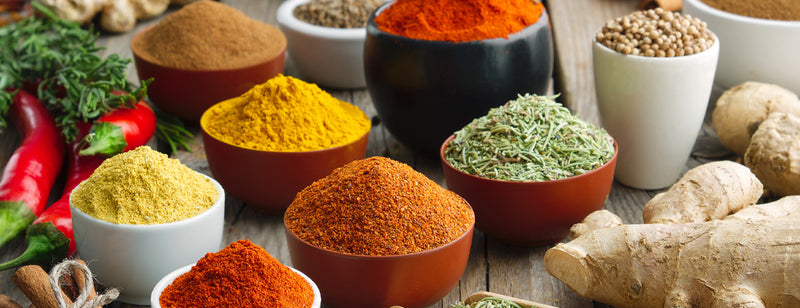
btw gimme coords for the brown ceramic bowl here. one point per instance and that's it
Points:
(531, 213)
(268, 181)
(414, 280)
(188, 93)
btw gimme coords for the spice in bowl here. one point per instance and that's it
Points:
(656, 33)
(377, 207)
(240, 275)
(209, 35)
(337, 13)
(764, 9)
(532, 138)
(458, 20)
(286, 114)
(144, 187)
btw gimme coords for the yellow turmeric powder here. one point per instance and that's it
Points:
(285, 114)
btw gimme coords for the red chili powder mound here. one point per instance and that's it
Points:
(458, 20)
(240, 275)
(377, 206)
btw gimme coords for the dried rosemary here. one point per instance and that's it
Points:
(532, 138)
(489, 302)
(337, 13)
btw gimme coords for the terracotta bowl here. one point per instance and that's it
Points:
(268, 181)
(188, 93)
(530, 213)
(414, 82)
(414, 280)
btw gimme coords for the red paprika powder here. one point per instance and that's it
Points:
(377, 206)
(240, 275)
(458, 20)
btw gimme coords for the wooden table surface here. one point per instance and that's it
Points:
(492, 266)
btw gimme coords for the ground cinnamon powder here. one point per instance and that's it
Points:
(208, 35)
(764, 9)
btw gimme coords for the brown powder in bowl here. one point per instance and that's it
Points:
(764, 9)
(208, 35)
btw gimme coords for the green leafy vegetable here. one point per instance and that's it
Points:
(57, 59)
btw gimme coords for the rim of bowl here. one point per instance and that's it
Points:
(218, 203)
(644, 58)
(137, 55)
(203, 128)
(285, 17)
(544, 18)
(169, 278)
(461, 237)
(701, 6)
(568, 179)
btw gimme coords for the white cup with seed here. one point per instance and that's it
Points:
(654, 71)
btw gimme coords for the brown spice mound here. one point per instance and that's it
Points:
(764, 9)
(208, 35)
(378, 206)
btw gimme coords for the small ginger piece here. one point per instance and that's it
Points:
(749, 259)
(742, 108)
(144, 9)
(118, 16)
(706, 192)
(599, 219)
(774, 154)
(80, 11)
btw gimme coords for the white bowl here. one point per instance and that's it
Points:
(169, 278)
(133, 258)
(329, 57)
(752, 49)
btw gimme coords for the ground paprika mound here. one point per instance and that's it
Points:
(458, 20)
(378, 206)
(240, 275)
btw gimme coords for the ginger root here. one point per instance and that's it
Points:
(774, 154)
(115, 15)
(749, 259)
(599, 219)
(742, 108)
(709, 191)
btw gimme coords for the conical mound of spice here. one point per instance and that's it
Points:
(378, 206)
(240, 275)
(208, 35)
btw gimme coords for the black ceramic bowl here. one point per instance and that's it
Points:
(425, 90)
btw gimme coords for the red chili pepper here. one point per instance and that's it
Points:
(31, 171)
(120, 130)
(50, 237)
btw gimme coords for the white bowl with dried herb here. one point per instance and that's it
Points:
(530, 169)
(326, 39)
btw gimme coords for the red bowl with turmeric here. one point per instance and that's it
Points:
(187, 93)
(414, 280)
(267, 181)
(531, 213)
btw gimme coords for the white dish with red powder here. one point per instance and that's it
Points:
(169, 278)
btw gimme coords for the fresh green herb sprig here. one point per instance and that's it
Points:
(532, 138)
(489, 302)
(59, 60)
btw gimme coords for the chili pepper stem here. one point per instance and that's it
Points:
(45, 245)
(15, 216)
(105, 138)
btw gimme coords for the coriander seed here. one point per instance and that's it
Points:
(656, 33)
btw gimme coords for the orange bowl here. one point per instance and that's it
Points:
(268, 181)
(415, 280)
(531, 213)
(188, 93)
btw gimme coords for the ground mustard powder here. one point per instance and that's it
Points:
(286, 114)
(144, 187)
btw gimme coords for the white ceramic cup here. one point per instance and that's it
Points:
(654, 108)
(133, 258)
